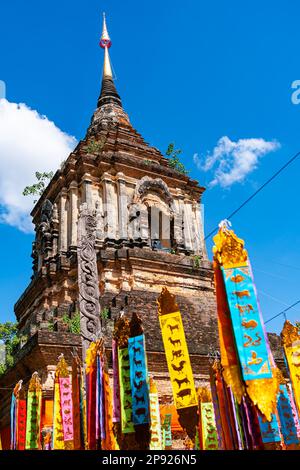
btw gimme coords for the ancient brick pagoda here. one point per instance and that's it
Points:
(149, 234)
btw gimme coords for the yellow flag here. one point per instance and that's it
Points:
(58, 436)
(178, 360)
(293, 359)
(291, 342)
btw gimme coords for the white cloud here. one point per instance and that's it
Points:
(233, 161)
(29, 142)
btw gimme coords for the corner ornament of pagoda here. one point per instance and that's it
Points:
(166, 302)
(229, 250)
(289, 334)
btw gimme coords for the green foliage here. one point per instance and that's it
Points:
(147, 162)
(51, 325)
(37, 189)
(105, 313)
(174, 161)
(196, 261)
(9, 336)
(298, 325)
(73, 323)
(8, 331)
(96, 147)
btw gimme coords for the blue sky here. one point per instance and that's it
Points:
(189, 72)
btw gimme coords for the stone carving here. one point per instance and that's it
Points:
(46, 216)
(134, 216)
(42, 247)
(147, 184)
(109, 116)
(138, 228)
(99, 221)
(55, 213)
(88, 278)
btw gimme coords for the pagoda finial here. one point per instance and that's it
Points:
(108, 93)
(105, 41)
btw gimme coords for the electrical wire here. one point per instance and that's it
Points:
(256, 192)
(283, 311)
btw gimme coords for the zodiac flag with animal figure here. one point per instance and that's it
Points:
(291, 343)
(269, 429)
(156, 441)
(177, 354)
(138, 379)
(63, 437)
(286, 416)
(34, 404)
(167, 432)
(125, 391)
(256, 361)
(207, 428)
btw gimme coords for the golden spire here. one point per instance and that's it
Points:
(105, 36)
(108, 93)
(105, 43)
(107, 72)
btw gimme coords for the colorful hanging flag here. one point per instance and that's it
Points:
(125, 391)
(269, 429)
(216, 409)
(58, 436)
(255, 359)
(176, 350)
(229, 358)
(100, 425)
(291, 344)
(207, 430)
(167, 431)
(21, 416)
(83, 409)
(34, 403)
(224, 407)
(294, 409)
(197, 441)
(109, 443)
(91, 399)
(138, 379)
(65, 388)
(76, 379)
(13, 424)
(63, 424)
(247, 323)
(285, 412)
(208, 427)
(18, 418)
(155, 429)
(116, 385)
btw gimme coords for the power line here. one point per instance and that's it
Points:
(256, 192)
(283, 311)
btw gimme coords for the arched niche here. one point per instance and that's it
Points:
(153, 206)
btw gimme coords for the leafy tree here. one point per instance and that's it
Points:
(298, 324)
(174, 161)
(9, 336)
(37, 189)
(7, 331)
